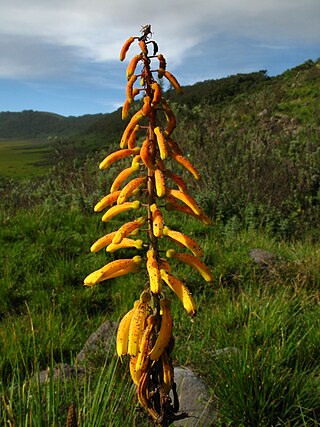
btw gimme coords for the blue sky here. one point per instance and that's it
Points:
(63, 55)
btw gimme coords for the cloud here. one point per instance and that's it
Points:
(41, 37)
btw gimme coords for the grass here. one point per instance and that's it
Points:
(23, 158)
(270, 317)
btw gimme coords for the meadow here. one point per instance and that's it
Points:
(270, 315)
(18, 158)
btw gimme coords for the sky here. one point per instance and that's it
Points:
(62, 56)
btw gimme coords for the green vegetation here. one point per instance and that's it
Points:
(258, 152)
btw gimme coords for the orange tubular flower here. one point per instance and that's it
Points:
(127, 229)
(185, 198)
(185, 162)
(173, 81)
(126, 47)
(117, 155)
(185, 240)
(108, 200)
(129, 188)
(146, 154)
(123, 175)
(193, 262)
(132, 65)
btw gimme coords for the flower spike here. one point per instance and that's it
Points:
(145, 332)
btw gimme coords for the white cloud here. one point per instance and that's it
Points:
(95, 30)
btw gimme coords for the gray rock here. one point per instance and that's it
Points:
(227, 351)
(195, 398)
(263, 258)
(62, 371)
(100, 343)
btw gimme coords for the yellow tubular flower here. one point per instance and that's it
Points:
(157, 221)
(115, 210)
(157, 94)
(133, 372)
(185, 240)
(129, 188)
(114, 267)
(154, 272)
(126, 270)
(125, 243)
(127, 229)
(144, 349)
(193, 262)
(137, 324)
(123, 175)
(108, 200)
(123, 332)
(125, 48)
(181, 291)
(165, 331)
(102, 242)
(168, 373)
(117, 155)
(185, 198)
(161, 143)
(160, 183)
(132, 65)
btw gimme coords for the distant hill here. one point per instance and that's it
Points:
(35, 124)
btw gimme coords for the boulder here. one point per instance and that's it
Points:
(195, 398)
(100, 343)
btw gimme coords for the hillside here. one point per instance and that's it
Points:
(295, 89)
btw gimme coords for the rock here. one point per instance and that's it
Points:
(99, 343)
(195, 398)
(263, 258)
(60, 372)
(227, 351)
